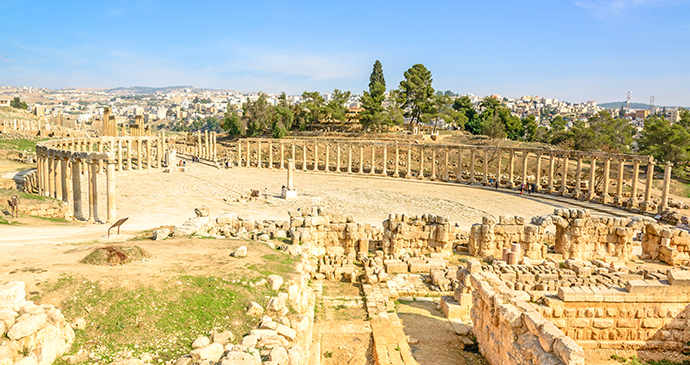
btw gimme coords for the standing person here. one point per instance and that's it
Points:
(522, 187)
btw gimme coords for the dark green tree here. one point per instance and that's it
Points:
(233, 124)
(529, 126)
(666, 142)
(473, 123)
(313, 105)
(336, 108)
(257, 116)
(18, 104)
(377, 76)
(416, 93)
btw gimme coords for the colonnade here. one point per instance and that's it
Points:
(579, 175)
(208, 148)
(62, 163)
(21, 125)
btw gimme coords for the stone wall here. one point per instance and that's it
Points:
(488, 239)
(418, 235)
(646, 314)
(32, 334)
(670, 245)
(510, 330)
(581, 236)
(47, 209)
(322, 232)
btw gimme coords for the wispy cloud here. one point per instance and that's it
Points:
(607, 8)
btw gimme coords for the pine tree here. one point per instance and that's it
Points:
(377, 76)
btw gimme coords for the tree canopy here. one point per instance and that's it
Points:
(416, 93)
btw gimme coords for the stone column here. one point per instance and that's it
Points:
(446, 167)
(361, 158)
(249, 150)
(316, 156)
(282, 155)
(564, 182)
(433, 164)
(76, 190)
(485, 179)
(605, 194)
(409, 162)
(215, 146)
(578, 178)
(304, 156)
(291, 167)
(39, 173)
(270, 154)
(473, 158)
(159, 153)
(592, 176)
(326, 168)
(498, 167)
(421, 162)
(537, 185)
(385, 160)
(129, 154)
(632, 202)
(64, 176)
(525, 159)
(619, 184)
(119, 155)
(646, 205)
(57, 170)
(552, 165)
(349, 157)
(511, 170)
(93, 193)
(396, 172)
(50, 171)
(110, 187)
(458, 174)
(140, 156)
(207, 151)
(373, 159)
(258, 154)
(667, 186)
(239, 153)
(337, 156)
(148, 153)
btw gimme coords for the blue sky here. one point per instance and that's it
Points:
(571, 50)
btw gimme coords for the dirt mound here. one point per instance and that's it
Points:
(115, 255)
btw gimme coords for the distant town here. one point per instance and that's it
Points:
(174, 106)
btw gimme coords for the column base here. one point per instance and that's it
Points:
(619, 201)
(604, 199)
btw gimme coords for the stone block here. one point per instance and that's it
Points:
(395, 266)
(12, 293)
(547, 335)
(678, 277)
(568, 351)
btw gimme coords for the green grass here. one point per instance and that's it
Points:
(162, 321)
(19, 144)
(278, 264)
(22, 195)
(54, 220)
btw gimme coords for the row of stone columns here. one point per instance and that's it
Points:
(62, 163)
(260, 153)
(9, 125)
(208, 149)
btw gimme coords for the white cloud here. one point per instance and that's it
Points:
(605, 8)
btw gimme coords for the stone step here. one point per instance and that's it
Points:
(390, 342)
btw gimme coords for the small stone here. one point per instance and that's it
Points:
(200, 342)
(254, 309)
(239, 252)
(161, 234)
(224, 337)
(202, 211)
(279, 355)
(275, 281)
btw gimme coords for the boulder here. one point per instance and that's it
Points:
(201, 341)
(240, 358)
(296, 355)
(226, 218)
(279, 355)
(211, 352)
(275, 281)
(202, 211)
(239, 252)
(27, 327)
(12, 293)
(276, 304)
(254, 309)
(223, 338)
(161, 234)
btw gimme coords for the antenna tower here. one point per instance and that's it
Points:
(651, 104)
(628, 100)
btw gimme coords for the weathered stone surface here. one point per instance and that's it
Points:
(254, 309)
(279, 355)
(276, 303)
(286, 332)
(211, 352)
(161, 234)
(274, 281)
(12, 293)
(239, 252)
(568, 351)
(223, 338)
(296, 355)
(240, 358)
(201, 341)
(226, 218)
(202, 211)
(249, 340)
(27, 327)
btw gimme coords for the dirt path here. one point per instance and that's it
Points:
(432, 338)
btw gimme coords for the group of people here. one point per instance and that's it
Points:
(529, 188)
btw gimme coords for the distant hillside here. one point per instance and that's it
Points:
(617, 105)
(139, 90)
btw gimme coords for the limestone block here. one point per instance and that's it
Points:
(395, 266)
(533, 320)
(226, 218)
(678, 277)
(161, 234)
(239, 252)
(240, 358)
(279, 356)
(568, 351)
(254, 309)
(202, 211)
(286, 332)
(274, 281)
(12, 293)
(212, 352)
(200, 342)
(276, 303)
(27, 327)
(296, 355)
(249, 340)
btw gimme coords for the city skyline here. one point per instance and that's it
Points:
(574, 51)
